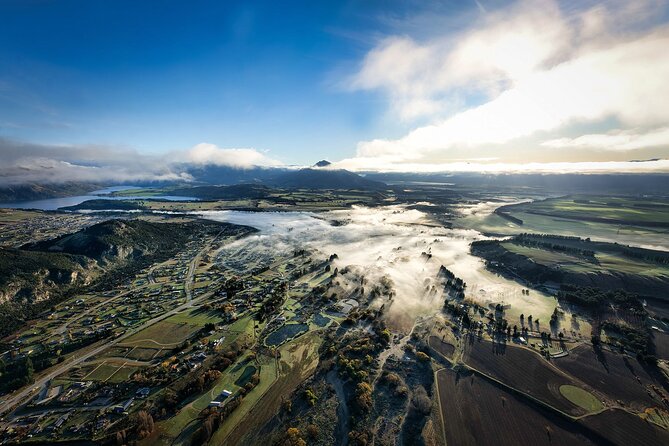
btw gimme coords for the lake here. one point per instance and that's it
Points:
(52, 204)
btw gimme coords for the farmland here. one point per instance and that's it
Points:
(609, 210)
(476, 412)
(443, 348)
(523, 370)
(162, 334)
(541, 259)
(622, 219)
(620, 377)
(622, 428)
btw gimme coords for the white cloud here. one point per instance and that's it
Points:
(389, 164)
(614, 140)
(205, 153)
(22, 163)
(501, 49)
(540, 71)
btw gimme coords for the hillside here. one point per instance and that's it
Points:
(31, 281)
(326, 179)
(40, 274)
(27, 275)
(29, 192)
(117, 240)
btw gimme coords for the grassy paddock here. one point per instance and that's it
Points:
(162, 334)
(581, 398)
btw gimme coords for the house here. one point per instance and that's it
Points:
(220, 399)
(346, 306)
(143, 392)
(123, 407)
(224, 394)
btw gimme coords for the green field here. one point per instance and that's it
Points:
(162, 334)
(109, 372)
(197, 317)
(625, 210)
(608, 263)
(581, 398)
(623, 224)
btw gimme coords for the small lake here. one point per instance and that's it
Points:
(52, 204)
(284, 333)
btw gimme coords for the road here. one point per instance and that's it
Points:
(188, 284)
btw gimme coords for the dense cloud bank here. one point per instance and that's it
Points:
(24, 163)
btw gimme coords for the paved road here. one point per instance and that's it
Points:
(188, 284)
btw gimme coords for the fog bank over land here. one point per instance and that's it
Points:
(390, 242)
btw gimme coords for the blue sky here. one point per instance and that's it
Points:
(494, 85)
(167, 75)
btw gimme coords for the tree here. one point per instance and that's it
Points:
(313, 432)
(294, 437)
(29, 370)
(144, 422)
(363, 396)
(170, 398)
(310, 397)
(421, 401)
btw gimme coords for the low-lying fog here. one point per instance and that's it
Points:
(387, 241)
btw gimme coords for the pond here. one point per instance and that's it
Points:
(284, 333)
(321, 320)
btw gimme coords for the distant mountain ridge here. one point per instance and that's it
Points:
(310, 178)
(316, 177)
(322, 176)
